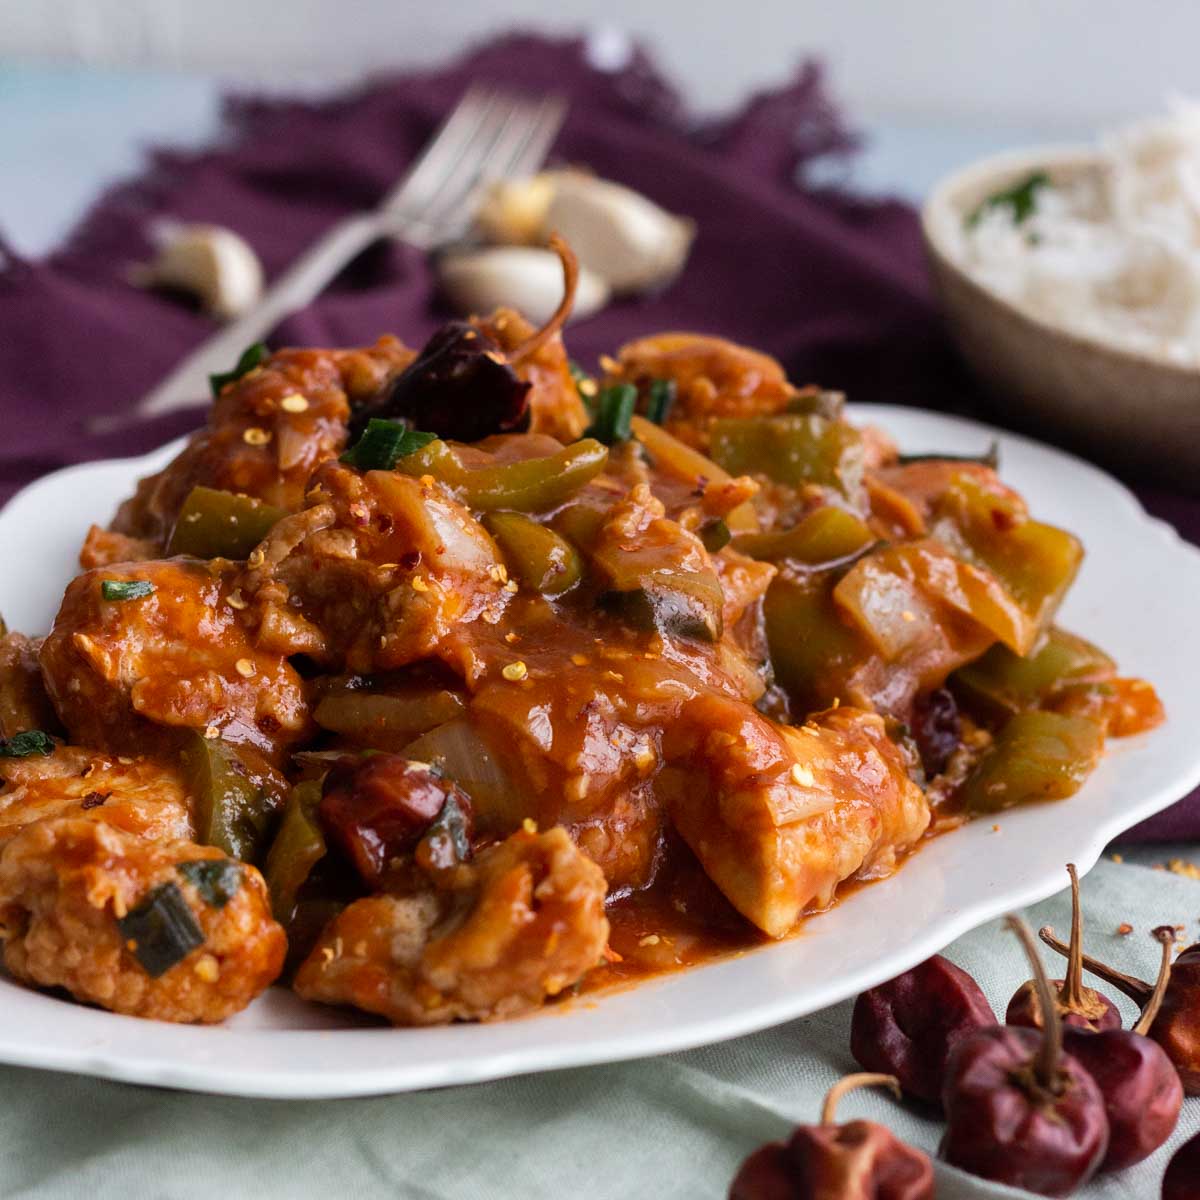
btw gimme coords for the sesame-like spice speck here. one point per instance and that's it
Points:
(244, 667)
(212, 732)
(512, 636)
(1118, 858)
(254, 436)
(609, 364)
(419, 584)
(206, 968)
(514, 672)
(256, 559)
(651, 939)
(588, 387)
(237, 600)
(295, 403)
(802, 775)
(427, 481)
(124, 760)
(995, 828)
(529, 825)
(511, 587)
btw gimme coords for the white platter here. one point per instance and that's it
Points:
(1136, 596)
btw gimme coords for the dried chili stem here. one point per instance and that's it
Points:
(1073, 996)
(1166, 936)
(851, 1083)
(570, 265)
(1045, 1061)
(1138, 990)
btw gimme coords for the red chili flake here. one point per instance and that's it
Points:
(1124, 929)
(94, 799)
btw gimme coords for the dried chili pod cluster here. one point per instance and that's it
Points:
(860, 1160)
(1019, 1110)
(1176, 1026)
(1182, 1178)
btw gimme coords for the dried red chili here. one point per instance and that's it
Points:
(1079, 1006)
(1141, 1088)
(908, 1026)
(860, 1160)
(1177, 1027)
(1182, 1178)
(1020, 1111)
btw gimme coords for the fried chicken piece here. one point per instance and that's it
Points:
(178, 657)
(375, 574)
(24, 703)
(713, 378)
(525, 921)
(267, 432)
(137, 796)
(102, 547)
(65, 885)
(778, 815)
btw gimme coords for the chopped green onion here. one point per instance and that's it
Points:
(384, 443)
(659, 400)
(125, 589)
(27, 744)
(161, 931)
(715, 535)
(216, 879)
(251, 357)
(990, 458)
(1021, 199)
(611, 413)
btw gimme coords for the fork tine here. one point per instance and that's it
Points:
(519, 148)
(551, 111)
(457, 179)
(447, 145)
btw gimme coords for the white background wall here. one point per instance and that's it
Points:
(1052, 63)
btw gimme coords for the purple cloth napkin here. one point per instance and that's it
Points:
(833, 286)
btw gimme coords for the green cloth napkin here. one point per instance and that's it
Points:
(676, 1126)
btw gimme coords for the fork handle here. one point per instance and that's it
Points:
(305, 279)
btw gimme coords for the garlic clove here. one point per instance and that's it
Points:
(618, 233)
(526, 278)
(212, 263)
(513, 211)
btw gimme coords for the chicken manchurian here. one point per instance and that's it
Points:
(444, 683)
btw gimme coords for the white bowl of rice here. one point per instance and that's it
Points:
(1070, 278)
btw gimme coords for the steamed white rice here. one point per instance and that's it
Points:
(1114, 256)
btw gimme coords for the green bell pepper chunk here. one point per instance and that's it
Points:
(539, 558)
(531, 485)
(674, 605)
(824, 536)
(298, 847)
(1035, 562)
(216, 524)
(233, 804)
(792, 449)
(813, 649)
(1002, 683)
(1036, 756)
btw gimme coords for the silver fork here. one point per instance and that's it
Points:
(489, 136)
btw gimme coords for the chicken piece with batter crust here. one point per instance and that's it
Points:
(780, 815)
(72, 892)
(180, 656)
(266, 434)
(375, 574)
(137, 796)
(522, 923)
(24, 703)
